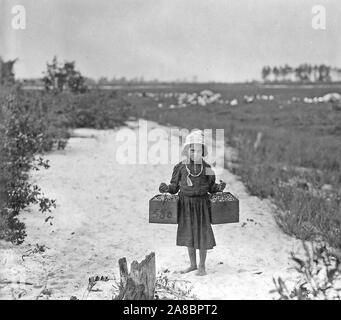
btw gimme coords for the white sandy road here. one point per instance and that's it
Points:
(102, 215)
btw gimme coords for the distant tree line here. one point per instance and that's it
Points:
(303, 73)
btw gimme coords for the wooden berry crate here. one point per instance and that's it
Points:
(224, 208)
(163, 208)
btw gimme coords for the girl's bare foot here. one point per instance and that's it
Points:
(201, 272)
(189, 269)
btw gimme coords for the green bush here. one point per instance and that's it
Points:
(24, 133)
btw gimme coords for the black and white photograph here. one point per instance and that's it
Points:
(170, 150)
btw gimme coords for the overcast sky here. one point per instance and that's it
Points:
(220, 40)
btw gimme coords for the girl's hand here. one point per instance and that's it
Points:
(163, 187)
(221, 186)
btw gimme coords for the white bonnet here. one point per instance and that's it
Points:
(196, 136)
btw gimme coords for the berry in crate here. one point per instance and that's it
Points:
(165, 197)
(221, 197)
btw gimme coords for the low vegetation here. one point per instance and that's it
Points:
(319, 276)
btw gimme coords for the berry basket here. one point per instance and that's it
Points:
(224, 208)
(163, 208)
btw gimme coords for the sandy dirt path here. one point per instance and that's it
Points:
(102, 215)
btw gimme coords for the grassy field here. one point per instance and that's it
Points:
(297, 161)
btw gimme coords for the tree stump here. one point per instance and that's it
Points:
(139, 284)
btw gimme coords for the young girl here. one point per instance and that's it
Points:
(195, 179)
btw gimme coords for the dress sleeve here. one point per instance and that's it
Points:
(212, 186)
(174, 183)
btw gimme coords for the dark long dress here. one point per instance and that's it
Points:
(194, 225)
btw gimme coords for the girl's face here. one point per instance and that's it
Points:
(196, 152)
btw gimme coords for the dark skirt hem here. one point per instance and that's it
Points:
(188, 246)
